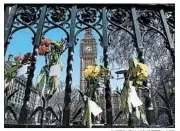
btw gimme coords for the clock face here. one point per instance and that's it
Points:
(88, 49)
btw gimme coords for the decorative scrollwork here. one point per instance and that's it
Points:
(148, 17)
(89, 18)
(150, 20)
(120, 16)
(119, 19)
(88, 15)
(58, 14)
(26, 17)
(171, 19)
(170, 16)
(57, 17)
(28, 14)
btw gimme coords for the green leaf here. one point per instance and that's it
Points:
(41, 81)
(88, 115)
(12, 69)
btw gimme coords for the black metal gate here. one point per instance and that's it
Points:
(136, 20)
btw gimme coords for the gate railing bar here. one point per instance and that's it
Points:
(168, 35)
(8, 25)
(105, 59)
(67, 98)
(139, 48)
(166, 28)
(138, 39)
(6, 14)
(36, 42)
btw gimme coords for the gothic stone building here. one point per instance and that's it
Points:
(88, 55)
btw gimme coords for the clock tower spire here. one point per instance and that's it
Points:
(88, 55)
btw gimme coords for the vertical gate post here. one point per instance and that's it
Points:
(36, 42)
(170, 43)
(105, 59)
(67, 97)
(138, 39)
(9, 17)
(139, 47)
(6, 14)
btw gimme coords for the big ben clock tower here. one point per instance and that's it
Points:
(88, 55)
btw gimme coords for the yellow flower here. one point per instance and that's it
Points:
(139, 70)
(143, 69)
(91, 71)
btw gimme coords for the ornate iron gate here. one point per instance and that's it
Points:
(105, 20)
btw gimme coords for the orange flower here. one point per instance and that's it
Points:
(46, 42)
(40, 51)
(43, 50)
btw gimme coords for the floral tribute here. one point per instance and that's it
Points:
(135, 76)
(49, 74)
(10, 73)
(94, 75)
(52, 51)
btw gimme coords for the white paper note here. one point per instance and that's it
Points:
(95, 109)
(55, 70)
(22, 70)
(134, 97)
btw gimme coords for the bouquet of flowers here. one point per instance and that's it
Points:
(93, 75)
(51, 50)
(136, 75)
(10, 73)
